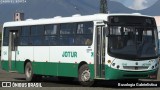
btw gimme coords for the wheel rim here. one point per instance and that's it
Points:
(28, 71)
(85, 76)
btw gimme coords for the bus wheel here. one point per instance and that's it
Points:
(29, 72)
(84, 76)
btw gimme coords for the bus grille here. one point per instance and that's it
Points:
(135, 75)
(135, 67)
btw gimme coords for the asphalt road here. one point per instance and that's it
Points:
(53, 83)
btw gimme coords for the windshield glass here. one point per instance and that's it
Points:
(133, 42)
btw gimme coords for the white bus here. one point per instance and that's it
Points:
(99, 46)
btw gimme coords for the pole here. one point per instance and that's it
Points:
(103, 6)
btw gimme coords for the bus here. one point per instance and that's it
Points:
(89, 47)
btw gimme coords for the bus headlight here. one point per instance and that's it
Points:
(109, 61)
(113, 64)
(118, 66)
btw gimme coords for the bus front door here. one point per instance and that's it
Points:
(100, 53)
(13, 40)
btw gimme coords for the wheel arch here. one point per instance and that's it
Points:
(82, 63)
(26, 61)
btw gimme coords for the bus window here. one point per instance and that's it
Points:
(67, 40)
(24, 36)
(84, 33)
(51, 29)
(37, 33)
(5, 37)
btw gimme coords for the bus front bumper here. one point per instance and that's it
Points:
(114, 74)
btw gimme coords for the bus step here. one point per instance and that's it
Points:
(100, 78)
(13, 71)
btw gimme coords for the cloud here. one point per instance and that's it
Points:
(139, 4)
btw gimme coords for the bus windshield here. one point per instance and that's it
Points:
(133, 42)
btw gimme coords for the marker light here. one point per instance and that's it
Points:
(109, 61)
(118, 66)
(113, 64)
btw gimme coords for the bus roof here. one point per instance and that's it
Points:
(59, 19)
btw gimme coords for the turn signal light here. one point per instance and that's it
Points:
(109, 61)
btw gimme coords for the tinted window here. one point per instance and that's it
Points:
(37, 30)
(84, 33)
(25, 31)
(37, 41)
(24, 41)
(67, 40)
(51, 40)
(85, 28)
(83, 40)
(68, 28)
(24, 36)
(50, 29)
(6, 37)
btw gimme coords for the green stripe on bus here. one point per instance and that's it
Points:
(113, 74)
(49, 68)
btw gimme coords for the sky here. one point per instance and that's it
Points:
(137, 4)
(36, 9)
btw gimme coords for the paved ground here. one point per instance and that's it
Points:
(54, 83)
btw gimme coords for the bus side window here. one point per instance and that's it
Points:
(24, 36)
(37, 33)
(5, 37)
(67, 32)
(51, 35)
(84, 33)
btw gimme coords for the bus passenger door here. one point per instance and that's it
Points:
(100, 52)
(13, 41)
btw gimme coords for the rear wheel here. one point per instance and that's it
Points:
(29, 72)
(84, 76)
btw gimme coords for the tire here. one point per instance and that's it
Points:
(84, 76)
(29, 72)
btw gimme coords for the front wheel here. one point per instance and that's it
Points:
(84, 76)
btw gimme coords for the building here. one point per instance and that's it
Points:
(18, 16)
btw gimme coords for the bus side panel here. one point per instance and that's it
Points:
(68, 69)
(41, 57)
(20, 66)
(69, 58)
(4, 58)
(23, 53)
(50, 68)
(4, 65)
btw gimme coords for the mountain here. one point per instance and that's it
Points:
(49, 8)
